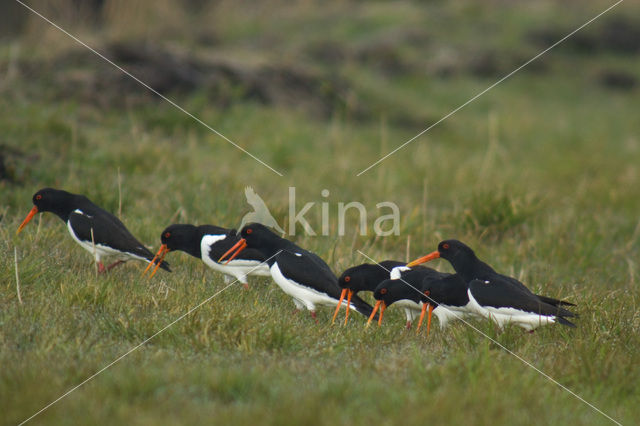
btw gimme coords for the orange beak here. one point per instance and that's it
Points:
(335, 314)
(382, 308)
(162, 252)
(430, 256)
(349, 294)
(26, 220)
(373, 313)
(237, 247)
(424, 309)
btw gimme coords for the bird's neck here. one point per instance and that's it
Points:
(67, 204)
(193, 248)
(471, 269)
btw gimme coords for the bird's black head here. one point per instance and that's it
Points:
(50, 200)
(432, 292)
(53, 200)
(260, 237)
(363, 277)
(184, 237)
(457, 253)
(390, 291)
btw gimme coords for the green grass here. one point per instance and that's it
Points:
(540, 176)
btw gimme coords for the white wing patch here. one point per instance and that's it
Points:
(396, 272)
(80, 212)
(207, 241)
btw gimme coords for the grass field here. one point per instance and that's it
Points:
(541, 176)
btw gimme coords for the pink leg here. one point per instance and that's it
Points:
(113, 265)
(101, 268)
(246, 286)
(408, 325)
(313, 315)
(296, 311)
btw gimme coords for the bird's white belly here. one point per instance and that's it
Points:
(448, 313)
(408, 304)
(302, 293)
(99, 250)
(238, 268)
(503, 316)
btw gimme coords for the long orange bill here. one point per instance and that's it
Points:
(373, 314)
(424, 311)
(346, 316)
(163, 252)
(429, 319)
(382, 308)
(237, 247)
(335, 314)
(26, 220)
(423, 259)
(152, 261)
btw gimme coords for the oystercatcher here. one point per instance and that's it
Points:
(365, 277)
(413, 292)
(208, 243)
(498, 297)
(96, 230)
(299, 273)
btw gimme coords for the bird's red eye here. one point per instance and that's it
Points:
(167, 234)
(383, 291)
(249, 231)
(427, 292)
(445, 246)
(38, 197)
(347, 279)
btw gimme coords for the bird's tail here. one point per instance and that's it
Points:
(554, 302)
(564, 321)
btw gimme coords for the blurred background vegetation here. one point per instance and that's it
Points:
(541, 175)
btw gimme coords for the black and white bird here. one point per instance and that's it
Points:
(208, 243)
(94, 229)
(501, 298)
(413, 291)
(298, 272)
(365, 277)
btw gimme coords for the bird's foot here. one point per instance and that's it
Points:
(114, 264)
(313, 315)
(101, 268)
(408, 325)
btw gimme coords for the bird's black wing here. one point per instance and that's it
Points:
(108, 230)
(512, 281)
(548, 300)
(449, 290)
(499, 294)
(309, 269)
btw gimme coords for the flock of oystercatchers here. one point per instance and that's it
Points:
(475, 289)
